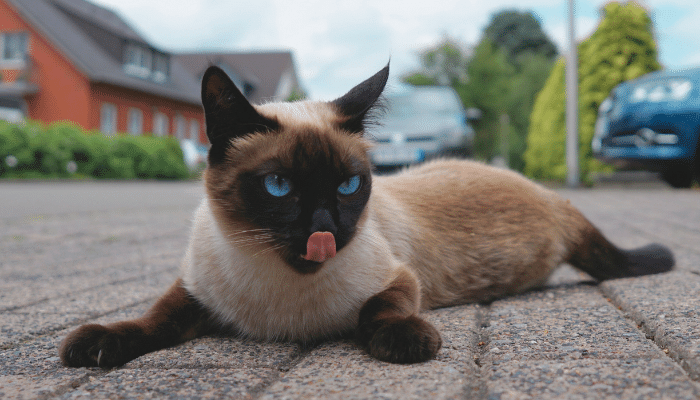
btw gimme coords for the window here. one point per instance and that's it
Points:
(145, 62)
(160, 124)
(160, 67)
(108, 119)
(137, 60)
(194, 130)
(180, 127)
(135, 122)
(13, 46)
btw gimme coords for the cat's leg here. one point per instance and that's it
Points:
(175, 318)
(390, 328)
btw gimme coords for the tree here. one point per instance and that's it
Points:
(503, 74)
(506, 79)
(519, 33)
(525, 84)
(488, 89)
(442, 64)
(621, 48)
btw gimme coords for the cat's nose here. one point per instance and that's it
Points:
(322, 221)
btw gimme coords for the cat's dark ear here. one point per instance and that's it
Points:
(228, 114)
(358, 104)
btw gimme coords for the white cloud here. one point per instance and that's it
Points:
(559, 32)
(337, 44)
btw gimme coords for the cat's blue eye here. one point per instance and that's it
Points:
(350, 186)
(276, 185)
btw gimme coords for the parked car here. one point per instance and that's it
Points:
(653, 123)
(421, 122)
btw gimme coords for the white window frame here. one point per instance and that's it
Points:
(194, 130)
(160, 124)
(138, 60)
(16, 62)
(160, 68)
(181, 132)
(108, 119)
(134, 122)
(147, 63)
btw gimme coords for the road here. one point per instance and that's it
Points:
(77, 252)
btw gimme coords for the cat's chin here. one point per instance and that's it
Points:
(303, 266)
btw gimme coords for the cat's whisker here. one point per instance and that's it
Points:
(261, 235)
(249, 239)
(249, 233)
(269, 249)
(252, 241)
(254, 230)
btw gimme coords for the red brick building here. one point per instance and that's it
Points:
(72, 60)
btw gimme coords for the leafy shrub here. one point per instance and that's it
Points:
(621, 48)
(65, 150)
(15, 150)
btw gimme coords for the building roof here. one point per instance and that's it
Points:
(266, 72)
(86, 33)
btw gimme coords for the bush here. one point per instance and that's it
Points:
(621, 48)
(64, 150)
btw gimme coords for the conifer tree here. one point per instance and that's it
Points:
(622, 48)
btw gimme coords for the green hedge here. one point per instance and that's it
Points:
(621, 48)
(64, 150)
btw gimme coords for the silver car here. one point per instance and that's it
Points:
(421, 122)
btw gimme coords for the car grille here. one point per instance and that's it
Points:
(644, 137)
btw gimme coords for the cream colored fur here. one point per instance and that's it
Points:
(256, 292)
(462, 228)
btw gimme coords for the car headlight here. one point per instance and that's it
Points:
(669, 90)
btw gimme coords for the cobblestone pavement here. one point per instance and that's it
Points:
(72, 253)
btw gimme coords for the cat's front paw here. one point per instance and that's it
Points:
(93, 346)
(405, 341)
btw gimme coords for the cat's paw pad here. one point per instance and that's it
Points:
(92, 346)
(405, 341)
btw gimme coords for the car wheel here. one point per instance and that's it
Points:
(678, 175)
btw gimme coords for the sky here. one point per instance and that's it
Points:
(337, 44)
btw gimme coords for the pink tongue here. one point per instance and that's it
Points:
(320, 247)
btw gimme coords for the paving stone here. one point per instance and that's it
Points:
(573, 343)
(220, 352)
(635, 378)
(29, 292)
(106, 257)
(173, 384)
(38, 385)
(562, 323)
(55, 314)
(667, 306)
(34, 370)
(341, 370)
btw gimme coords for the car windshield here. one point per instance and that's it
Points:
(422, 102)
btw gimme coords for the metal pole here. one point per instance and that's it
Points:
(505, 146)
(572, 145)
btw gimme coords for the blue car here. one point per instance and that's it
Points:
(653, 123)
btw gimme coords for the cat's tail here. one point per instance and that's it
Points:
(602, 260)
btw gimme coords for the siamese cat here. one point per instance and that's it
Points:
(297, 240)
